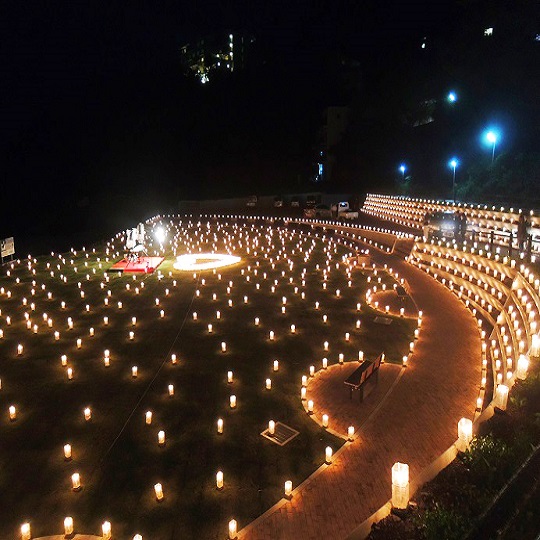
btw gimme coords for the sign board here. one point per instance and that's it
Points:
(7, 247)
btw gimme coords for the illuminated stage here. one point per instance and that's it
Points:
(142, 265)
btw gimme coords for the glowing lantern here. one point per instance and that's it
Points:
(223, 347)
(158, 489)
(311, 371)
(465, 431)
(170, 389)
(400, 485)
(106, 530)
(68, 526)
(161, 438)
(76, 482)
(325, 420)
(350, 433)
(91, 331)
(535, 345)
(271, 335)
(325, 363)
(105, 321)
(522, 367)
(131, 336)
(148, 417)
(63, 359)
(19, 349)
(276, 365)
(12, 413)
(232, 529)
(293, 329)
(501, 396)
(220, 426)
(87, 414)
(209, 328)
(79, 343)
(303, 393)
(288, 489)
(219, 480)
(232, 401)
(310, 406)
(134, 372)
(26, 533)
(70, 373)
(328, 455)
(271, 427)
(268, 384)
(67, 452)
(256, 321)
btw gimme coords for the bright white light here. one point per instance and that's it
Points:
(491, 137)
(452, 97)
(204, 261)
(160, 235)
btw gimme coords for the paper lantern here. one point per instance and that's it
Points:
(138, 537)
(276, 365)
(232, 401)
(271, 335)
(220, 426)
(105, 321)
(20, 349)
(209, 328)
(501, 397)
(325, 420)
(87, 414)
(535, 345)
(63, 360)
(170, 389)
(106, 530)
(134, 371)
(223, 347)
(400, 485)
(219, 480)
(325, 318)
(304, 380)
(328, 455)
(70, 373)
(161, 438)
(310, 406)
(311, 371)
(148, 417)
(68, 526)
(288, 489)
(158, 489)
(233, 529)
(79, 343)
(325, 363)
(268, 384)
(522, 367)
(303, 393)
(26, 533)
(465, 432)
(91, 331)
(76, 482)
(12, 413)
(325, 345)
(67, 452)
(271, 427)
(350, 433)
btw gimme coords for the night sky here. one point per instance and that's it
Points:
(100, 127)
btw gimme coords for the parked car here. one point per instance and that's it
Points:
(342, 210)
(295, 202)
(278, 201)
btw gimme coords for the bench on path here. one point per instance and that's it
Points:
(359, 377)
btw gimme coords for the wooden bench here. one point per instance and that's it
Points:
(362, 374)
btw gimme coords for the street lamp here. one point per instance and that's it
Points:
(402, 168)
(492, 137)
(451, 97)
(453, 163)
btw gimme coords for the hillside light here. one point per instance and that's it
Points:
(402, 170)
(451, 97)
(492, 137)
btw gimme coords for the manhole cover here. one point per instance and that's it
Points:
(282, 434)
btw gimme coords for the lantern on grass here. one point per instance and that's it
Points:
(276, 365)
(158, 489)
(233, 532)
(67, 452)
(220, 425)
(350, 433)
(310, 406)
(271, 427)
(223, 347)
(76, 482)
(87, 414)
(219, 480)
(19, 349)
(535, 345)
(161, 438)
(522, 367)
(325, 420)
(148, 417)
(134, 371)
(465, 432)
(288, 489)
(171, 390)
(106, 530)
(26, 533)
(232, 401)
(328, 455)
(268, 384)
(400, 486)
(68, 526)
(303, 393)
(325, 363)
(501, 397)
(12, 413)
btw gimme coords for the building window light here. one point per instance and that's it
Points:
(488, 31)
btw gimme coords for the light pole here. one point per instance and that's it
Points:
(402, 168)
(491, 138)
(451, 97)
(453, 163)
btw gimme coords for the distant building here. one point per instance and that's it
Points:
(217, 53)
(335, 122)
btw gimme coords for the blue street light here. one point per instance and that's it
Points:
(492, 137)
(452, 97)
(453, 163)
(402, 168)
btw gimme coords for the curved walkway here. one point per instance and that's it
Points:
(414, 425)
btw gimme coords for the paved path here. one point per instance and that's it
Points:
(415, 424)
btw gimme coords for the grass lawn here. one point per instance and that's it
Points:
(116, 453)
